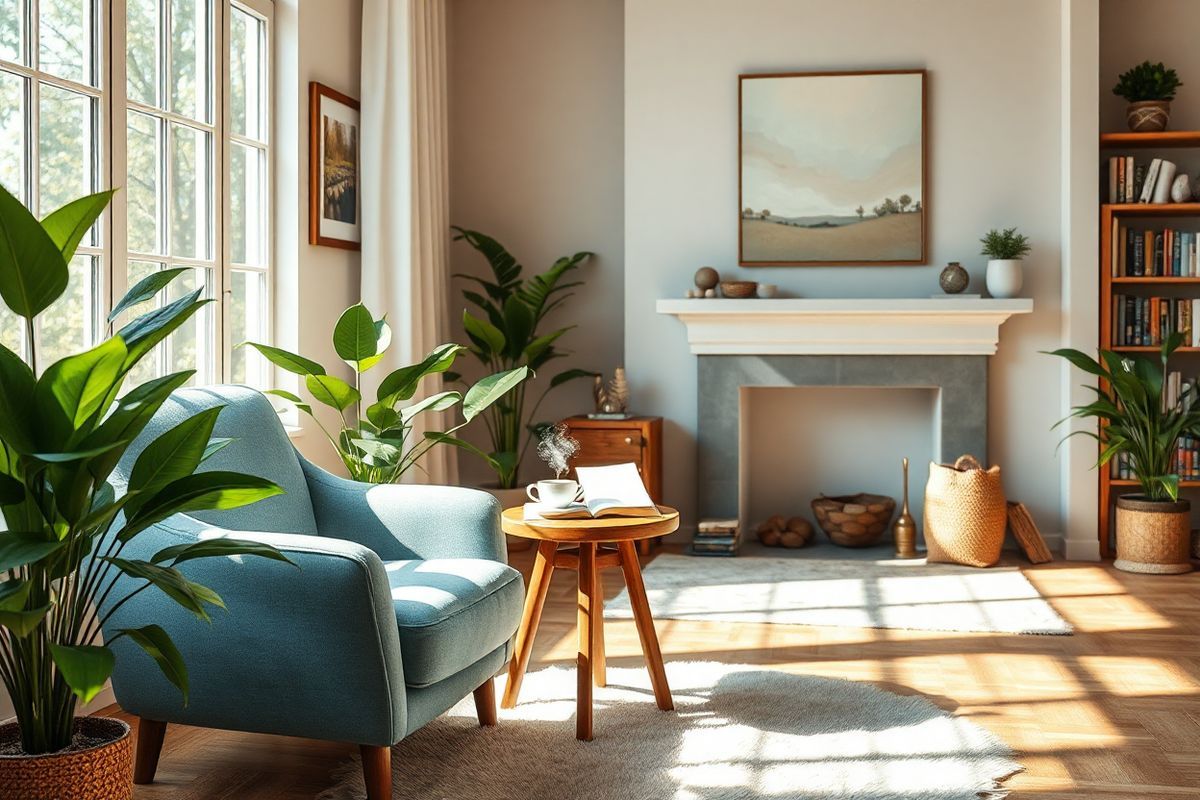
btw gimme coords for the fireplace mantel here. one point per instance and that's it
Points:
(874, 326)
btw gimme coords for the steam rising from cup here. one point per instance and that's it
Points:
(556, 446)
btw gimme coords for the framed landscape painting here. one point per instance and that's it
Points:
(334, 215)
(832, 168)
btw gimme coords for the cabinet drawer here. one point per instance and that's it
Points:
(597, 447)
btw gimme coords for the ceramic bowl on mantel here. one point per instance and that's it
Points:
(739, 289)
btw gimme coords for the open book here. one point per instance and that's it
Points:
(614, 491)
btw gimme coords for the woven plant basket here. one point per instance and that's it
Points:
(102, 772)
(965, 513)
(1153, 536)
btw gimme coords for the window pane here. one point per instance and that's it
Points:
(12, 25)
(67, 142)
(65, 29)
(142, 55)
(191, 182)
(12, 133)
(148, 368)
(247, 109)
(190, 347)
(248, 322)
(190, 68)
(68, 325)
(143, 186)
(247, 194)
(11, 329)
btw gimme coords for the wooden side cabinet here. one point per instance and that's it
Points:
(616, 441)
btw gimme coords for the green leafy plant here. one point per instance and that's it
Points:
(61, 436)
(375, 443)
(1133, 417)
(1147, 81)
(1004, 244)
(507, 336)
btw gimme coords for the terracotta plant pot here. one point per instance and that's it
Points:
(1153, 536)
(1148, 116)
(101, 771)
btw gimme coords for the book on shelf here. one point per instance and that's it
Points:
(1148, 321)
(1166, 253)
(1132, 182)
(1185, 462)
(611, 491)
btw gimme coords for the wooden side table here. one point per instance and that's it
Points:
(588, 546)
(616, 441)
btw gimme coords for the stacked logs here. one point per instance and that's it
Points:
(778, 532)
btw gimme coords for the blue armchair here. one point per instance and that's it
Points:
(402, 603)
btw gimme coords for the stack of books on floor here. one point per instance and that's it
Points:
(716, 537)
(1143, 321)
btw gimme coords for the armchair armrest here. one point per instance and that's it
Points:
(401, 521)
(311, 652)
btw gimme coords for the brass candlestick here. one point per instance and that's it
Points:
(904, 529)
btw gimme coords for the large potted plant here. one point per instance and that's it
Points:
(1153, 525)
(374, 439)
(1005, 250)
(508, 335)
(1149, 90)
(63, 429)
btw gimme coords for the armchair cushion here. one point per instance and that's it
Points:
(452, 612)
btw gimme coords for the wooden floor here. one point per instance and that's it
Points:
(1112, 712)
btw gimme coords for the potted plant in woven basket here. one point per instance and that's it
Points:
(1153, 525)
(1149, 90)
(63, 429)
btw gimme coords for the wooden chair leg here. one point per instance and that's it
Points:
(485, 702)
(645, 625)
(599, 672)
(150, 734)
(377, 771)
(535, 600)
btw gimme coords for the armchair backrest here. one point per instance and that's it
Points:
(260, 447)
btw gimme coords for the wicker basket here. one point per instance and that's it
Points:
(739, 289)
(1153, 536)
(857, 520)
(965, 513)
(103, 772)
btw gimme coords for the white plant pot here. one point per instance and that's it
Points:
(1004, 277)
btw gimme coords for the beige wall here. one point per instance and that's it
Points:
(994, 161)
(536, 161)
(1133, 31)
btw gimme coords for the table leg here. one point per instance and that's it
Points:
(599, 673)
(587, 640)
(645, 625)
(535, 600)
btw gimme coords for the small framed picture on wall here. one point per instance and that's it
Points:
(334, 213)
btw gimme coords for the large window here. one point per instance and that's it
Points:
(178, 119)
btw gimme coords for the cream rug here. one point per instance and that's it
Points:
(854, 594)
(738, 732)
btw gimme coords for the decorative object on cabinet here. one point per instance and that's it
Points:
(779, 532)
(954, 279)
(965, 513)
(1026, 532)
(738, 289)
(334, 215)
(857, 520)
(616, 441)
(1149, 90)
(612, 401)
(1005, 249)
(803, 201)
(904, 529)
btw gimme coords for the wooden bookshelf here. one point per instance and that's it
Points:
(1118, 144)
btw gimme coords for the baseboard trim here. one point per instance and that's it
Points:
(1085, 550)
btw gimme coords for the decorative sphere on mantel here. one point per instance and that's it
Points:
(954, 278)
(707, 278)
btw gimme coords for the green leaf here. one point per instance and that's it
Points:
(68, 225)
(17, 410)
(85, 668)
(445, 438)
(381, 452)
(292, 398)
(534, 350)
(175, 453)
(538, 289)
(214, 446)
(80, 384)
(168, 579)
(204, 491)
(332, 391)
(504, 266)
(290, 362)
(13, 594)
(146, 289)
(158, 645)
(144, 333)
(435, 402)
(570, 375)
(77, 454)
(33, 272)
(23, 623)
(354, 337)
(11, 490)
(382, 416)
(17, 549)
(402, 384)
(518, 326)
(484, 334)
(218, 547)
(491, 389)
(130, 416)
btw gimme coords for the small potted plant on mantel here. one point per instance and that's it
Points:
(1149, 90)
(1153, 525)
(1005, 249)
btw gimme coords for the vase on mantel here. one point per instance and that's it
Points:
(1004, 276)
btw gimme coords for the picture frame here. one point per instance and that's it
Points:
(822, 148)
(334, 204)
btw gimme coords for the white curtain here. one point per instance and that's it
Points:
(405, 193)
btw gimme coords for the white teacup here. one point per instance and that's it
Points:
(554, 493)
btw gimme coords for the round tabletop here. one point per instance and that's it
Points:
(604, 529)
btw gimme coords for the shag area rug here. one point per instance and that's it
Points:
(739, 732)
(854, 594)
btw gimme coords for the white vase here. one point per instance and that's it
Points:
(1004, 277)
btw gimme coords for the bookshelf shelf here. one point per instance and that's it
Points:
(1152, 209)
(1149, 349)
(1147, 141)
(1182, 484)
(1137, 279)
